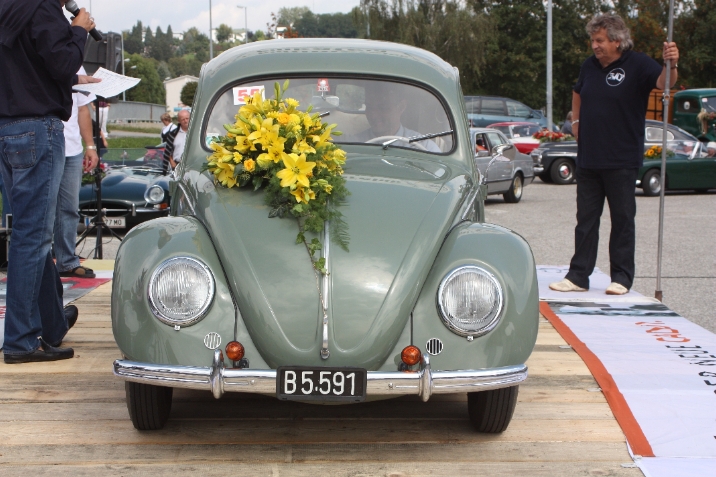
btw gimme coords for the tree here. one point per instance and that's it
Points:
(224, 33)
(288, 16)
(695, 35)
(133, 43)
(161, 46)
(196, 43)
(188, 92)
(329, 25)
(150, 89)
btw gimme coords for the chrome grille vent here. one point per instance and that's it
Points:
(212, 340)
(434, 346)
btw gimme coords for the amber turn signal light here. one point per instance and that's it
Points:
(234, 350)
(411, 355)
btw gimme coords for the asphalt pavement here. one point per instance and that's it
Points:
(545, 217)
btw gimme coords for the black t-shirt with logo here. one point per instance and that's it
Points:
(613, 110)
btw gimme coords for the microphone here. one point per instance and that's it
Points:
(72, 7)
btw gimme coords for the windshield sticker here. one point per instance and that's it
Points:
(241, 92)
(322, 86)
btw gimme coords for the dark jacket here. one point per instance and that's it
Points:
(40, 54)
(169, 148)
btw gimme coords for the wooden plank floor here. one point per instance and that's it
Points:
(70, 418)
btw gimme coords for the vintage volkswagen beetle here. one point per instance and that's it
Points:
(428, 299)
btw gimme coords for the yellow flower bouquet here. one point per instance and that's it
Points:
(289, 153)
(655, 152)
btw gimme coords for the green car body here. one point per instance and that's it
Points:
(688, 104)
(413, 218)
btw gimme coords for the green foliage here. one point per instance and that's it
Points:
(133, 43)
(162, 48)
(290, 15)
(695, 35)
(223, 33)
(188, 92)
(329, 25)
(151, 88)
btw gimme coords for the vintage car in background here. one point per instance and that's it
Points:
(519, 134)
(688, 167)
(133, 190)
(695, 112)
(427, 298)
(506, 170)
(559, 158)
(485, 110)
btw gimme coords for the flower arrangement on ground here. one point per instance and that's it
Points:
(290, 154)
(549, 136)
(88, 177)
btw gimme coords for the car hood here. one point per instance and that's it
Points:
(127, 184)
(398, 213)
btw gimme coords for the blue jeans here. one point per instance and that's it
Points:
(6, 209)
(32, 158)
(67, 216)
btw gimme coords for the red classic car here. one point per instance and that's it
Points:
(519, 134)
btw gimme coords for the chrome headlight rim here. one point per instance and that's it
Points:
(148, 194)
(498, 310)
(201, 313)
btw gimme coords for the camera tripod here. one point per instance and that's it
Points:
(97, 222)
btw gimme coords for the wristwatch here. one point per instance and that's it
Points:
(674, 66)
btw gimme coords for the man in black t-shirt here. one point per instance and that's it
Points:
(609, 105)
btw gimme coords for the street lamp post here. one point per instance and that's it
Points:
(211, 36)
(246, 23)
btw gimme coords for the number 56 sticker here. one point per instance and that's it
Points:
(242, 92)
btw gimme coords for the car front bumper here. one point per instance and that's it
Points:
(218, 379)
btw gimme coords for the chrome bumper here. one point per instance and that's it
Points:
(538, 169)
(219, 379)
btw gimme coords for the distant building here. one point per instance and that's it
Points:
(280, 32)
(173, 87)
(237, 35)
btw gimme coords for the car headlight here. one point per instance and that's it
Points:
(537, 154)
(180, 291)
(154, 195)
(470, 301)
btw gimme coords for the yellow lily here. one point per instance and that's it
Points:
(297, 170)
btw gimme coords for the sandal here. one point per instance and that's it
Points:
(79, 272)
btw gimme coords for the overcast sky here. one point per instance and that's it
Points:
(113, 15)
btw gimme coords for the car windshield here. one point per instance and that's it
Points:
(365, 111)
(525, 130)
(709, 104)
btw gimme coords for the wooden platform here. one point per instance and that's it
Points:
(70, 418)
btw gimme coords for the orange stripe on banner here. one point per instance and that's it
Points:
(635, 436)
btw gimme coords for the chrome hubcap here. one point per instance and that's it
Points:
(517, 188)
(655, 183)
(564, 171)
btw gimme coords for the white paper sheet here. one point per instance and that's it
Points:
(112, 84)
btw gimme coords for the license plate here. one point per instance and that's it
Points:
(116, 222)
(294, 383)
(112, 222)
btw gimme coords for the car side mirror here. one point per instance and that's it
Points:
(500, 148)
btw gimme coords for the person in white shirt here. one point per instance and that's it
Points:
(77, 160)
(168, 126)
(176, 140)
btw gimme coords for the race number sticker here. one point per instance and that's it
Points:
(241, 92)
(322, 86)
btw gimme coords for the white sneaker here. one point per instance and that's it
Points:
(566, 286)
(615, 288)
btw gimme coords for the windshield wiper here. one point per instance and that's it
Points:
(412, 139)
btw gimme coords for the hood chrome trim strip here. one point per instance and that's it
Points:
(325, 290)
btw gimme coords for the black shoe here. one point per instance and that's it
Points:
(71, 314)
(44, 353)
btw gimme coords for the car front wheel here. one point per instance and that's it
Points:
(514, 194)
(651, 183)
(562, 171)
(148, 405)
(491, 411)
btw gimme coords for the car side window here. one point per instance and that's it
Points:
(472, 105)
(496, 139)
(686, 106)
(480, 143)
(517, 109)
(492, 106)
(655, 134)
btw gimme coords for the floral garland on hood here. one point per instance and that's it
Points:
(289, 153)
